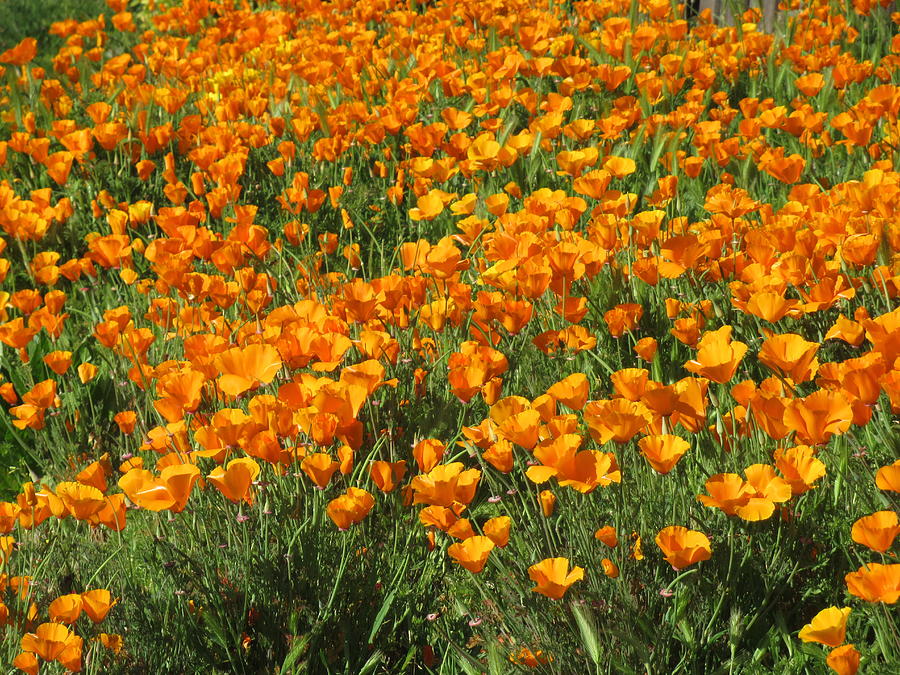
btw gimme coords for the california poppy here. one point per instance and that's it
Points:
(876, 531)
(243, 368)
(472, 553)
(553, 577)
(663, 451)
(235, 481)
(682, 547)
(497, 529)
(48, 641)
(844, 660)
(387, 475)
(828, 627)
(350, 508)
(874, 582)
(717, 356)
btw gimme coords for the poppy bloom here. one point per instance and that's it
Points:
(663, 451)
(58, 361)
(235, 481)
(87, 372)
(428, 454)
(19, 55)
(500, 455)
(800, 467)
(387, 475)
(497, 529)
(448, 485)
(243, 368)
(97, 604)
(610, 568)
(682, 547)
(817, 417)
(350, 508)
(548, 502)
(571, 391)
(791, 356)
(320, 467)
(66, 608)
(616, 420)
(82, 501)
(472, 553)
(888, 477)
(717, 356)
(48, 641)
(828, 627)
(607, 535)
(582, 470)
(844, 660)
(646, 348)
(875, 583)
(553, 577)
(27, 662)
(876, 531)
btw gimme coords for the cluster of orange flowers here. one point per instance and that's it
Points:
(52, 640)
(262, 339)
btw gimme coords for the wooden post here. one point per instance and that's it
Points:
(769, 7)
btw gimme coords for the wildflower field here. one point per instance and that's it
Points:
(449, 336)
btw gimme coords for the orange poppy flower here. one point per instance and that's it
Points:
(548, 502)
(19, 55)
(847, 330)
(663, 451)
(244, 368)
(97, 604)
(48, 641)
(146, 491)
(828, 627)
(582, 470)
(610, 569)
(790, 356)
(607, 534)
(623, 318)
(126, 421)
(59, 361)
(236, 481)
(682, 547)
(500, 455)
(350, 508)
(876, 531)
(553, 577)
(449, 485)
(819, 416)
(87, 372)
(497, 530)
(387, 475)
(320, 467)
(874, 582)
(844, 660)
(472, 553)
(521, 428)
(27, 662)
(82, 501)
(571, 391)
(630, 383)
(717, 356)
(616, 420)
(66, 609)
(646, 348)
(888, 477)
(800, 467)
(811, 84)
(428, 453)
